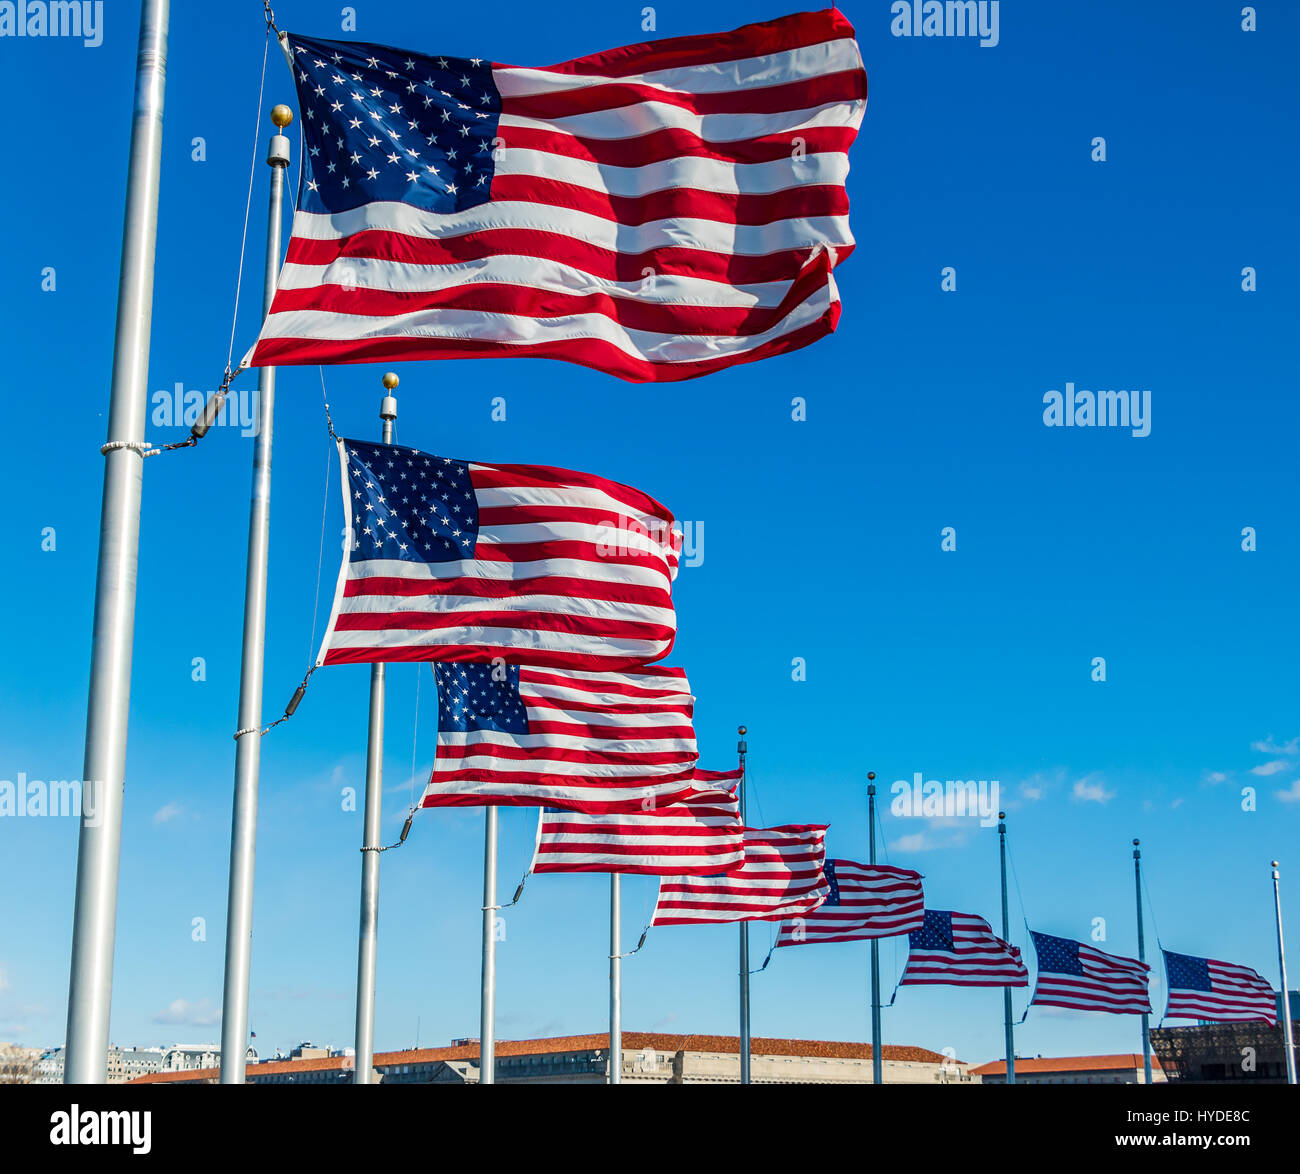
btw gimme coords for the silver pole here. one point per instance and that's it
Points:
(487, 1044)
(1288, 1032)
(368, 937)
(742, 748)
(248, 741)
(1142, 957)
(1006, 937)
(615, 981)
(99, 849)
(877, 1056)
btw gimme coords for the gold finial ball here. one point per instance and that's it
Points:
(281, 116)
(391, 380)
(740, 730)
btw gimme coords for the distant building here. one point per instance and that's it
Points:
(1123, 1068)
(646, 1059)
(192, 1057)
(1224, 1053)
(122, 1065)
(18, 1064)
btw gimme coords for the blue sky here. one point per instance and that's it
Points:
(821, 538)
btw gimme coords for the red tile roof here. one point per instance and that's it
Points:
(1113, 1063)
(633, 1041)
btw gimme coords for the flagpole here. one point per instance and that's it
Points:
(615, 981)
(1142, 957)
(99, 849)
(487, 1043)
(368, 938)
(1006, 937)
(1288, 1032)
(877, 1059)
(248, 740)
(742, 748)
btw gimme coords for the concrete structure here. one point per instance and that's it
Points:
(1123, 1068)
(646, 1059)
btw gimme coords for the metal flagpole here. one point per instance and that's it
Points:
(487, 1043)
(1006, 937)
(99, 850)
(248, 740)
(877, 1059)
(1288, 1032)
(368, 939)
(1142, 957)
(615, 981)
(742, 747)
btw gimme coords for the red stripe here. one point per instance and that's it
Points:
(490, 750)
(562, 586)
(477, 653)
(588, 352)
(668, 260)
(805, 93)
(547, 477)
(527, 798)
(753, 40)
(425, 621)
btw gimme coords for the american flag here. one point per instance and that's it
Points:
(1075, 974)
(1221, 992)
(512, 735)
(656, 212)
(960, 949)
(454, 560)
(865, 901)
(782, 876)
(699, 834)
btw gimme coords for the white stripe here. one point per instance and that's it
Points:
(378, 568)
(549, 604)
(514, 638)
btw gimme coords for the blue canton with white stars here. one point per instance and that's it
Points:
(1186, 973)
(409, 505)
(935, 932)
(833, 897)
(1057, 955)
(469, 699)
(384, 124)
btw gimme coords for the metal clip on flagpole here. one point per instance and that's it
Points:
(99, 849)
(1288, 1031)
(368, 933)
(1142, 957)
(243, 834)
(1008, 1022)
(742, 748)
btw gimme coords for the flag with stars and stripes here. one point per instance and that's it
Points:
(865, 901)
(512, 735)
(699, 834)
(1077, 975)
(457, 560)
(1218, 992)
(657, 212)
(960, 949)
(782, 875)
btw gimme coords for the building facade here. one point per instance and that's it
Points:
(1121, 1068)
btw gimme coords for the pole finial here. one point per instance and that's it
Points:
(741, 730)
(871, 774)
(390, 380)
(1273, 864)
(281, 115)
(1002, 815)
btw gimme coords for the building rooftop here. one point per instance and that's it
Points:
(1119, 1060)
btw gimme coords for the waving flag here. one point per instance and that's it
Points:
(1075, 974)
(656, 212)
(455, 560)
(1222, 992)
(782, 875)
(960, 949)
(520, 736)
(699, 834)
(865, 901)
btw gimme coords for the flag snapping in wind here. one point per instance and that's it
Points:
(699, 834)
(455, 560)
(782, 876)
(511, 735)
(657, 211)
(1075, 974)
(865, 901)
(1222, 992)
(960, 949)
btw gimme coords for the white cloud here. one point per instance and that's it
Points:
(1291, 794)
(916, 842)
(167, 813)
(1269, 768)
(1090, 789)
(183, 1012)
(1268, 746)
(1216, 776)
